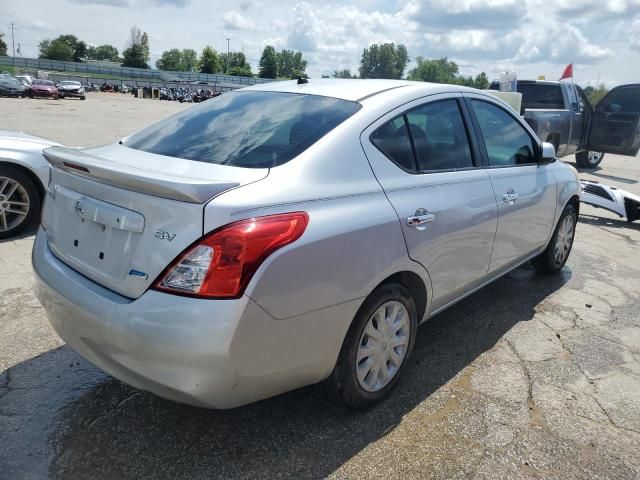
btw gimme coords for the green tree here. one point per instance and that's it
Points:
(268, 63)
(138, 53)
(65, 47)
(3, 46)
(170, 60)
(346, 73)
(443, 70)
(189, 60)
(103, 52)
(235, 63)
(595, 94)
(210, 61)
(80, 52)
(56, 50)
(384, 61)
(290, 64)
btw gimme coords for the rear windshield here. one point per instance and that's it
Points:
(245, 129)
(540, 95)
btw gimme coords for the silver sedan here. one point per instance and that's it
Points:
(293, 233)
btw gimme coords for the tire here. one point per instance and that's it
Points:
(345, 385)
(12, 224)
(589, 159)
(551, 261)
(83, 98)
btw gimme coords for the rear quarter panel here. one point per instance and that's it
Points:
(353, 240)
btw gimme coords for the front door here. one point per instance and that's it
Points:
(525, 191)
(428, 165)
(615, 126)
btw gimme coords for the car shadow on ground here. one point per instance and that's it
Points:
(608, 222)
(95, 426)
(27, 233)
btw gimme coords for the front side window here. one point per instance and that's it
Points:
(439, 136)
(250, 129)
(622, 99)
(506, 141)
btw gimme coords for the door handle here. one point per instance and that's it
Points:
(510, 196)
(421, 217)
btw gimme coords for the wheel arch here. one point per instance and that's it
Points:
(416, 286)
(28, 172)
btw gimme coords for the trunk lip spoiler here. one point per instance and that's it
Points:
(174, 187)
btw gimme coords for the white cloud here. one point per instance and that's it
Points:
(530, 36)
(235, 20)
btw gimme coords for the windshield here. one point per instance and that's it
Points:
(43, 82)
(245, 129)
(68, 83)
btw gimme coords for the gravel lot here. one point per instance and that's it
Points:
(532, 377)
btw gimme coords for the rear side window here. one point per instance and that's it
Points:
(393, 140)
(439, 136)
(506, 141)
(430, 137)
(540, 95)
(245, 129)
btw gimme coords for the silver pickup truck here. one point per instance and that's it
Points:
(561, 114)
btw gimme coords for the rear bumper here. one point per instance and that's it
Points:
(218, 354)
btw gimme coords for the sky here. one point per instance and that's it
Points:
(528, 37)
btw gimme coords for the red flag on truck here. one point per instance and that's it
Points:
(568, 72)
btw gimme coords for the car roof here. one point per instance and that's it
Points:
(345, 89)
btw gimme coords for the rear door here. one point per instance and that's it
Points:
(615, 125)
(428, 165)
(525, 191)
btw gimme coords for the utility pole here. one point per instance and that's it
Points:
(13, 47)
(228, 52)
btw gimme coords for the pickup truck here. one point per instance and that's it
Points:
(561, 114)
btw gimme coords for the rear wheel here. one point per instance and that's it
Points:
(589, 159)
(19, 202)
(557, 252)
(376, 348)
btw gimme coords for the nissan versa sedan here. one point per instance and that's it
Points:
(287, 234)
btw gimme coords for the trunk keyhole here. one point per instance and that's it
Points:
(75, 243)
(101, 256)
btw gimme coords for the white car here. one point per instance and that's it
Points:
(24, 173)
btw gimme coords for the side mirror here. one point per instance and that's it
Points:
(548, 153)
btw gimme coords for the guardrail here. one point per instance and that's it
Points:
(126, 72)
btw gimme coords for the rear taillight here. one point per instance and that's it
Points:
(221, 264)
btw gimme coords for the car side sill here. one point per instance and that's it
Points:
(484, 284)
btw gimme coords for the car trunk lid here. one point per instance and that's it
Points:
(120, 216)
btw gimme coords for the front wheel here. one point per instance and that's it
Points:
(589, 159)
(557, 252)
(19, 202)
(376, 347)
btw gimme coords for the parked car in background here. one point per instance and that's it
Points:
(10, 87)
(24, 173)
(70, 88)
(25, 79)
(43, 88)
(561, 114)
(286, 234)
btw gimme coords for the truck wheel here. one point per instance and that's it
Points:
(589, 159)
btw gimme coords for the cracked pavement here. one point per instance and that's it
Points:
(531, 377)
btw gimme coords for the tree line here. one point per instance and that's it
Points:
(387, 60)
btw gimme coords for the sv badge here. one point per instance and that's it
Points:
(162, 235)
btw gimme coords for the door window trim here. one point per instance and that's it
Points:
(474, 150)
(481, 143)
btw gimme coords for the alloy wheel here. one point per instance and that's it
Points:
(14, 204)
(383, 346)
